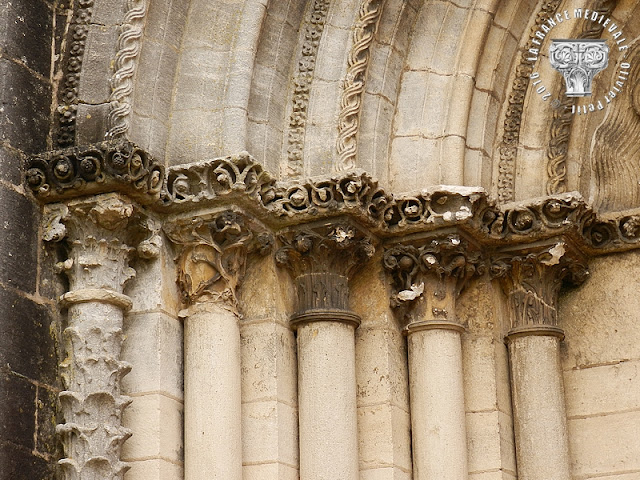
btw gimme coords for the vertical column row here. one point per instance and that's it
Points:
(211, 262)
(531, 279)
(320, 260)
(429, 275)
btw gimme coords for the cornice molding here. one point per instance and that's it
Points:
(237, 180)
(106, 167)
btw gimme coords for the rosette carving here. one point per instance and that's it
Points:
(432, 273)
(212, 255)
(99, 168)
(532, 278)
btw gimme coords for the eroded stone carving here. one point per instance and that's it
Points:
(531, 278)
(509, 145)
(97, 267)
(432, 272)
(351, 99)
(562, 121)
(125, 64)
(302, 86)
(92, 169)
(206, 181)
(212, 254)
(68, 106)
(320, 260)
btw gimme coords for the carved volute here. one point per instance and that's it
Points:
(320, 260)
(429, 275)
(531, 278)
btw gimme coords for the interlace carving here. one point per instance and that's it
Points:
(351, 100)
(560, 130)
(435, 270)
(103, 167)
(212, 255)
(122, 80)
(302, 86)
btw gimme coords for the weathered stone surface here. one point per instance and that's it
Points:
(19, 219)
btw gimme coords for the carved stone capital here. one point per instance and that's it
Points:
(92, 169)
(320, 260)
(428, 276)
(101, 233)
(212, 254)
(531, 278)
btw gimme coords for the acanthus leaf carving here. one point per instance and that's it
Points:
(430, 273)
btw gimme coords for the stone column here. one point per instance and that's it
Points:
(531, 279)
(428, 277)
(213, 251)
(321, 260)
(97, 268)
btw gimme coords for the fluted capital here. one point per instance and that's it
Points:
(531, 278)
(321, 259)
(213, 248)
(430, 273)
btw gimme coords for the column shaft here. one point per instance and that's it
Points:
(327, 401)
(437, 405)
(212, 394)
(539, 409)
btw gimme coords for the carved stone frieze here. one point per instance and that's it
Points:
(351, 100)
(511, 135)
(212, 254)
(302, 86)
(129, 44)
(531, 278)
(93, 169)
(320, 259)
(428, 276)
(203, 183)
(97, 267)
(68, 97)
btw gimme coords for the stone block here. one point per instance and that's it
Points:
(496, 475)
(479, 366)
(385, 68)
(20, 463)
(25, 33)
(269, 367)
(25, 108)
(154, 469)
(153, 346)
(156, 423)
(385, 473)
(602, 389)
(335, 45)
(166, 22)
(269, 471)
(483, 441)
(18, 415)
(384, 433)
(10, 165)
(97, 69)
(270, 433)
(322, 111)
(19, 220)
(422, 48)
(589, 342)
(27, 339)
(154, 82)
(214, 26)
(605, 444)
(381, 367)
(92, 122)
(47, 440)
(411, 101)
(108, 13)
